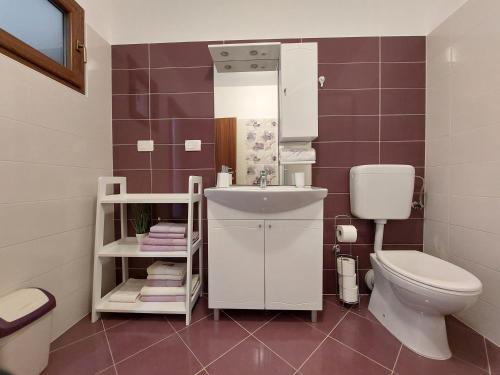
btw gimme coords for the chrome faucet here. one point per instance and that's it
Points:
(263, 179)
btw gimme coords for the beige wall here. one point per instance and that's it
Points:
(462, 221)
(54, 143)
(161, 21)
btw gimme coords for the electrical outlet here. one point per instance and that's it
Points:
(192, 145)
(146, 145)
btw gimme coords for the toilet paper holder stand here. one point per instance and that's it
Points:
(338, 254)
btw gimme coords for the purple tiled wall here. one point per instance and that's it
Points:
(371, 110)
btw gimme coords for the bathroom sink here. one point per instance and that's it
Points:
(271, 199)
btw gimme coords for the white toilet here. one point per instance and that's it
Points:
(413, 291)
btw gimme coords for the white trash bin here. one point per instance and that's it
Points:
(25, 330)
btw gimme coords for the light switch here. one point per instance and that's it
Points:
(192, 145)
(146, 145)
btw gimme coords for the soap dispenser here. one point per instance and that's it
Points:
(224, 178)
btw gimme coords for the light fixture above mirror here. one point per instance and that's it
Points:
(245, 57)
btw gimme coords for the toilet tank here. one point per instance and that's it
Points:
(382, 191)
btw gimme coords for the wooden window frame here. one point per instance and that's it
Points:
(73, 74)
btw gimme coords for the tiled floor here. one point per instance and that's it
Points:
(258, 342)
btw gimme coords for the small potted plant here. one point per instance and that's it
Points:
(142, 220)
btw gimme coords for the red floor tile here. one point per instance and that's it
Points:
(250, 357)
(251, 320)
(136, 334)
(291, 338)
(84, 357)
(410, 363)
(169, 356)
(111, 320)
(333, 358)
(200, 311)
(493, 357)
(362, 309)
(109, 371)
(80, 330)
(208, 339)
(327, 319)
(466, 344)
(368, 338)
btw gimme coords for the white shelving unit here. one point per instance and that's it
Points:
(127, 247)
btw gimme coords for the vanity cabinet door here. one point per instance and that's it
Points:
(294, 264)
(298, 92)
(236, 264)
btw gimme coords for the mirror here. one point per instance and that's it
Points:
(246, 110)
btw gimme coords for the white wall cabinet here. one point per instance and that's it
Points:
(298, 92)
(272, 261)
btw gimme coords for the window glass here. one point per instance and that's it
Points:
(38, 23)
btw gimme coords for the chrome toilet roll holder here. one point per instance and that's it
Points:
(339, 254)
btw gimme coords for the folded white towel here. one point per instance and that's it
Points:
(167, 268)
(169, 290)
(297, 154)
(128, 293)
(166, 277)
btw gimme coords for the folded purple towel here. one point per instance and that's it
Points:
(169, 228)
(165, 235)
(163, 248)
(162, 298)
(168, 241)
(163, 283)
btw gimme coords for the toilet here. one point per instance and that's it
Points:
(413, 291)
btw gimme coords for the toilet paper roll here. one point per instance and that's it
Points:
(347, 233)
(348, 281)
(346, 266)
(350, 295)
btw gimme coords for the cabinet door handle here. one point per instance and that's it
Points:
(260, 225)
(269, 226)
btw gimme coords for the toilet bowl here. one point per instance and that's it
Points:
(413, 292)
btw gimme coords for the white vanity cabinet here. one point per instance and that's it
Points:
(298, 92)
(238, 262)
(293, 264)
(265, 260)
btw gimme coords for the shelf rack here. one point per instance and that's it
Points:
(127, 247)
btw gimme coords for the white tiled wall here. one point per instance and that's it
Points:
(462, 222)
(54, 143)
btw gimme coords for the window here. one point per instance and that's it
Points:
(46, 35)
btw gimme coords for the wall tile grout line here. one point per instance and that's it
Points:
(379, 97)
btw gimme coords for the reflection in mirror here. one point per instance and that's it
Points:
(246, 120)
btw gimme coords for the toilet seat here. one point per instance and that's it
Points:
(428, 270)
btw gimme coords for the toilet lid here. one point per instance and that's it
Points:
(430, 270)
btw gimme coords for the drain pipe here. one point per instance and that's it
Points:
(377, 246)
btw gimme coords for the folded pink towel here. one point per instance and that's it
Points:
(169, 228)
(163, 248)
(165, 235)
(162, 298)
(163, 283)
(168, 241)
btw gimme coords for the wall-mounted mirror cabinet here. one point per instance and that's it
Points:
(265, 101)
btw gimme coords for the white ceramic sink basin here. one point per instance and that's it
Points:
(271, 199)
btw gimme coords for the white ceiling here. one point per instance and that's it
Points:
(141, 21)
